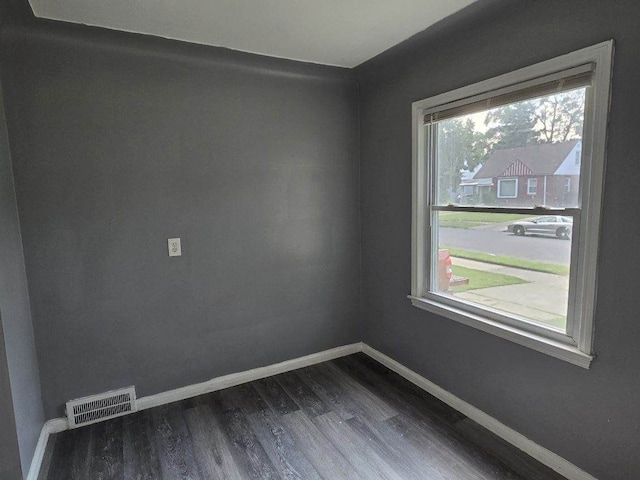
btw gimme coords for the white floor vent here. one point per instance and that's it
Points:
(96, 408)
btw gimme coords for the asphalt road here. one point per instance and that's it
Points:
(497, 242)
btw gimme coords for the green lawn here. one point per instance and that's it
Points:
(479, 279)
(509, 261)
(558, 322)
(472, 220)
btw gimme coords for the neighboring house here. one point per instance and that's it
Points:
(470, 186)
(544, 174)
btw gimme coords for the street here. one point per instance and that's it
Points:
(497, 242)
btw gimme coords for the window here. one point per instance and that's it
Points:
(508, 188)
(577, 158)
(503, 263)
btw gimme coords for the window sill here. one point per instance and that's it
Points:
(568, 353)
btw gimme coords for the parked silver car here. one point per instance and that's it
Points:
(556, 225)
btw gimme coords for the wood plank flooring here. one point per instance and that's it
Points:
(350, 419)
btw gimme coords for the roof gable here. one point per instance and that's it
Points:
(517, 168)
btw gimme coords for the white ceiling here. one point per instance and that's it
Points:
(331, 32)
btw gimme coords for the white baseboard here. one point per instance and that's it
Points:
(36, 461)
(49, 428)
(544, 456)
(536, 451)
(234, 379)
(60, 424)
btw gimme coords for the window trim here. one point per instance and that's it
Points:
(498, 189)
(533, 191)
(577, 345)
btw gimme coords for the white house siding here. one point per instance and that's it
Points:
(568, 165)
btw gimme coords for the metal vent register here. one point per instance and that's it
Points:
(96, 408)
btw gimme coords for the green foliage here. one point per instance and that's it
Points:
(513, 126)
(460, 147)
(479, 279)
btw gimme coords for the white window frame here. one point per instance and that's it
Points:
(575, 346)
(530, 183)
(567, 185)
(499, 188)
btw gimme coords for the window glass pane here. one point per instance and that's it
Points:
(476, 154)
(532, 187)
(507, 188)
(515, 264)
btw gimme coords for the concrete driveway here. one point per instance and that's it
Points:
(543, 299)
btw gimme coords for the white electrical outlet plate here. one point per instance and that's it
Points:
(175, 249)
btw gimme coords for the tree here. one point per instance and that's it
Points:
(551, 119)
(460, 147)
(513, 126)
(560, 117)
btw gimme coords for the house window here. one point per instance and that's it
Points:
(525, 273)
(532, 186)
(577, 158)
(567, 185)
(508, 188)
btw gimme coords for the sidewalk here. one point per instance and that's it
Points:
(493, 227)
(544, 299)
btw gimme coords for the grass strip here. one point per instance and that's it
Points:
(479, 279)
(558, 322)
(475, 219)
(510, 261)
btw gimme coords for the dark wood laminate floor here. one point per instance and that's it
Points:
(349, 419)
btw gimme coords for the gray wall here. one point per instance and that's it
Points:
(9, 453)
(15, 12)
(18, 349)
(122, 141)
(590, 417)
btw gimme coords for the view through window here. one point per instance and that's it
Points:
(510, 158)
